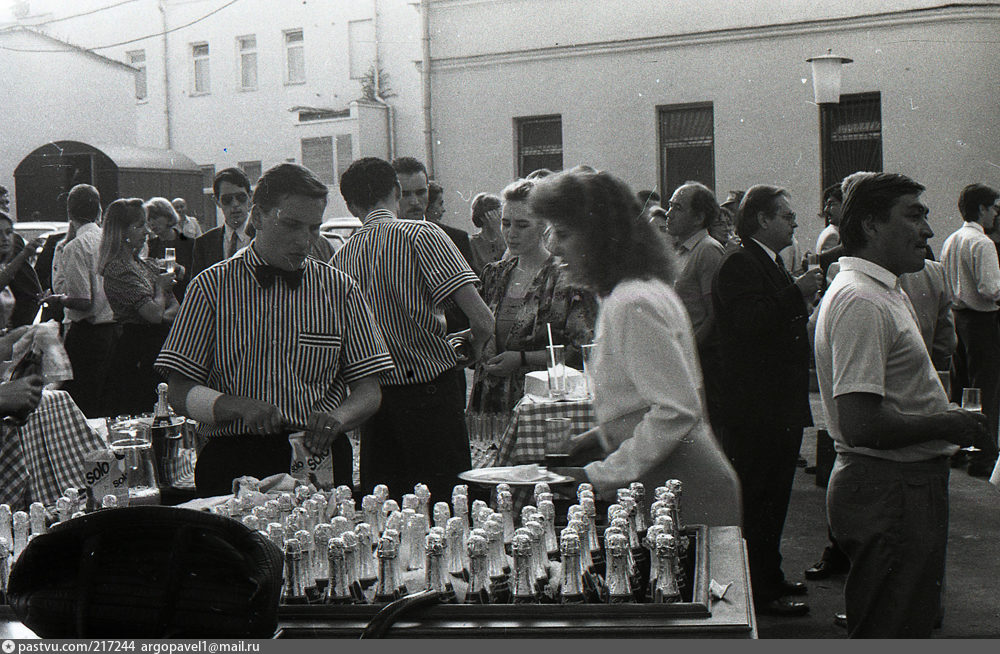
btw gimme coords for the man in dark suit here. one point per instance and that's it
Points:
(231, 192)
(761, 313)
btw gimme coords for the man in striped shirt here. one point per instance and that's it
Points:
(269, 342)
(407, 269)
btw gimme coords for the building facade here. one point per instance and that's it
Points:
(53, 91)
(259, 82)
(661, 92)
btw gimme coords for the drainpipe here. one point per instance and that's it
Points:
(425, 78)
(390, 111)
(166, 77)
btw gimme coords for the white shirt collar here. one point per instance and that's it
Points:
(871, 269)
(770, 252)
(974, 225)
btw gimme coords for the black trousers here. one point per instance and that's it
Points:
(131, 385)
(225, 458)
(90, 348)
(979, 338)
(417, 436)
(764, 459)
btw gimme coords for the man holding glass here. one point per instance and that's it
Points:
(888, 414)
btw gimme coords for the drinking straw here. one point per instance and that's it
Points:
(552, 346)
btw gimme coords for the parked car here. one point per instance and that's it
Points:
(34, 229)
(338, 230)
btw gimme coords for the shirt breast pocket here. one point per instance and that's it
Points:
(316, 357)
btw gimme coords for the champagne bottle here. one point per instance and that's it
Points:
(616, 551)
(477, 517)
(109, 501)
(387, 588)
(505, 506)
(22, 524)
(410, 501)
(276, 534)
(294, 589)
(479, 578)
(381, 493)
(642, 516)
(592, 586)
(322, 503)
(251, 522)
(161, 413)
(442, 513)
(571, 588)
(454, 545)
(407, 536)
(541, 487)
(667, 590)
(30, 364)
(299, 520)
(313, 517)
(286, 503)
(367, 571)
(548, 511)
(649, 542)
(524, 577)
(338, 588)
(36, 516)
(348, 511)
(435, 577)
(308, 581)
(271, 511)
(388, 508)
(542, 568)
(64, 508)
(596, 553)
(423, 493)
(6, 522)
(4, 568)
(340, 524)
(353, 567)
(321, 536)
(370, 509)
(497, 562)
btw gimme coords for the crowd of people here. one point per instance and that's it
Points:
(707, 318)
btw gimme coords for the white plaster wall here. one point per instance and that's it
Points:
(55, 96)
(940, 114)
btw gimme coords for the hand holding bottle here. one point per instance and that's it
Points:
(21, 396)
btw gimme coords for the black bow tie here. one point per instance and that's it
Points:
(266, 276)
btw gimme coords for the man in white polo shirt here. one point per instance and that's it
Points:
(892, 424)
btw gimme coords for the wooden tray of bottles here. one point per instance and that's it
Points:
(518, 620)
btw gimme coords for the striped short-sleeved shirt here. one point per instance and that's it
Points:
(295, 349)
(406, 268)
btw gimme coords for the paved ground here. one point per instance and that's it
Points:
(972, 604)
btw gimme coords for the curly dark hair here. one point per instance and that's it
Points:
(620, 243)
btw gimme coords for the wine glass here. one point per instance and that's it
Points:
(169, 258)
(972, 400)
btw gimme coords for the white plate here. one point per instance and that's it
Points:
(513, 475)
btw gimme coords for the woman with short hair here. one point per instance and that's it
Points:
(649, 394)
(488, 245)
(163, 222)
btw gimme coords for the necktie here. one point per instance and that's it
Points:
(234, 243)
(781, 266)
(267, 275)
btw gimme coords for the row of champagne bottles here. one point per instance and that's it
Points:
(335, 554)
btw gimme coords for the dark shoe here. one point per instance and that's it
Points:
(840, 619)
(979, 468)
(783, 607)
(801, 462)
(794, 588)
(810, 470)
(825, 568)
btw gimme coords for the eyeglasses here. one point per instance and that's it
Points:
(227, 198)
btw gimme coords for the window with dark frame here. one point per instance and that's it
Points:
(137, 59)
(851, 136)
(317, 156)
(539, 144)
(252, 169)
(687, 146)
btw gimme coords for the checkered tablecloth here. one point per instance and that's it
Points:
(524, 440)
(52, 445)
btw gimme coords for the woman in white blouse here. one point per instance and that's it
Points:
(649, 394)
